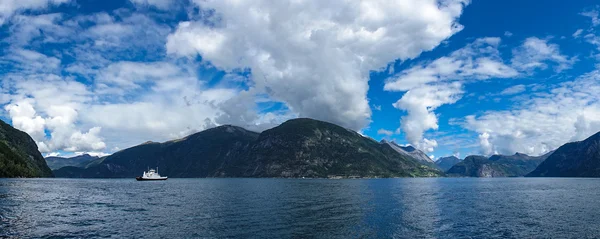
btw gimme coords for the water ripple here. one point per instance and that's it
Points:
(284, 208)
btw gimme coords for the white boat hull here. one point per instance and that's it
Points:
(150, 179)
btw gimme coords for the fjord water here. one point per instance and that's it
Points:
(301, 208)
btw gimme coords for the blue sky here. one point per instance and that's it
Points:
(451, 77)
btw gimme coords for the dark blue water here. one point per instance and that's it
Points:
(301, 208)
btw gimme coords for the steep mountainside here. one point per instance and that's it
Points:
(411, 152)
(19, 155)
(296, 148)
(496, 166)
(311, 148)
(471, 166)
(446, 163)
(199, 155)
(576, 159)
(77, 161)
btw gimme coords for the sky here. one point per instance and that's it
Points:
(450, 77)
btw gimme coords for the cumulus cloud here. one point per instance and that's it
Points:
(317, 62)
(430, 85)
(24, 117)
(68, 111)
(420, 104)
(569, 111)
(484, 142)
(47, 108)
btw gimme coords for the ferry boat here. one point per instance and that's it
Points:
(150, 175)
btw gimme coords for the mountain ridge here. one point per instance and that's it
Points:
(516, 165)
(446, 163)
(574, 159)
(55, 162)
(411, 152)
(297, 148)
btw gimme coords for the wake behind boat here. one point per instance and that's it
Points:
(150, 175)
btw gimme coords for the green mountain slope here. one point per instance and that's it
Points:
(576, 159)
(516, 165)
(296, 148)
(77, 161)
(446, 163)
(19, 155)
(198, 155)
(312, 148)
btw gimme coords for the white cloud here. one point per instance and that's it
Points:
(536, 53)
(85, 141)
(513, 90)
(160, 4)
(31, 62)
(429, 86)
(508, 34)
(9, 7)
(24, 117)
(118, 103)
(591, 36)
(46, 28)
(433, 84)
(594, 15)
(420, 103)
(570, 111)
(577, 33)
(317, 62)
(486, 147)
(44, 104)
(385, 132)
(478, 60)
(52, 154)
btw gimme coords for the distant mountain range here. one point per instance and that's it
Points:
(77, 161)
(296, 148)
(412, 152)
(445, 163)
(516, 165)
(576, 159)
(19, 155)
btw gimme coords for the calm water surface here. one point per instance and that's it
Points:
(301, 208)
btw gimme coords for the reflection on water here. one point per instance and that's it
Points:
(297, 208)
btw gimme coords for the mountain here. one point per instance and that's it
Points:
(19, 155)
(77, 161)
(575, 159)
(296, 148)
(445, 163)
(411, 152)
(496, 166)
(199, 155)
(312, 148)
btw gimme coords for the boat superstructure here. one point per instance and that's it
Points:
(151, 175)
